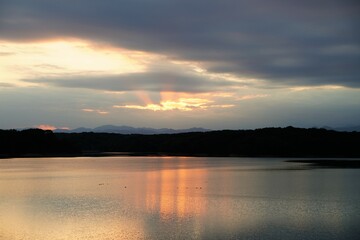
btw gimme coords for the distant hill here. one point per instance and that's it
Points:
(130, 130)
(343, 129)
(348, 129)
(149, 131)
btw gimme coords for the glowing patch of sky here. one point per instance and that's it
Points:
(59, 57)
(245, 104)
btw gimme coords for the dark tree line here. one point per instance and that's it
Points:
(284, 142)
(34, 141)
(280, 142)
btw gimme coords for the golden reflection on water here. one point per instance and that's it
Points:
(176, 189)
(170, 198)
(50, 202)
(168, 191)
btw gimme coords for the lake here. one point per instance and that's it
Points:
(176, 198)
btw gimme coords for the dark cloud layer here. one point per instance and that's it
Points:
(149, 81)
(285, 42)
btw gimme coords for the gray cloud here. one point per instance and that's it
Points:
(6, 54)
(149, 81)
(284, 42)
(6, 85)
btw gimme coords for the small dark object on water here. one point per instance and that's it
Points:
(330, 163)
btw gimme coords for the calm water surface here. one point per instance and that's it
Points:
(176, 198)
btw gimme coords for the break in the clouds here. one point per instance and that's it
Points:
(296, 43)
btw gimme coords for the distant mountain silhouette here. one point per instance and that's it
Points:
(130, 130)
(343, 129)
(348, 129)
(148, 131)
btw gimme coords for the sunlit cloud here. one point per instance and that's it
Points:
(182, 104)
(222, 106)
(50, 127)
(45, 127)
(64, 57)
(256, 39)
(252, 96)
(326, 87)
(98, 111)
(62, 61)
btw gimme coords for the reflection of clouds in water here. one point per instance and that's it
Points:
(86, 198)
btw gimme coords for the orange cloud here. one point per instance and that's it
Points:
(46, 127)
(181, 104)
(180, 101)
(50, 127)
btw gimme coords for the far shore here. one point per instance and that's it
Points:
(310, 160)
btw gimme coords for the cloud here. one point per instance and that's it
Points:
(181, 104)
(294, 43)
(148, 81)
(98, 111)
(6, 85)
(251, 96)
(6, 54)
(45, 127)
(50, 127)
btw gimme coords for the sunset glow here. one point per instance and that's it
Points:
(78, 64)
(53, 58)
(181, 104)
(50, 127)
(179, 119)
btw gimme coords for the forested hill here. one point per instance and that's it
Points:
(280, 142)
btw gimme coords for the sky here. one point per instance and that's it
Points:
(218, 64)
